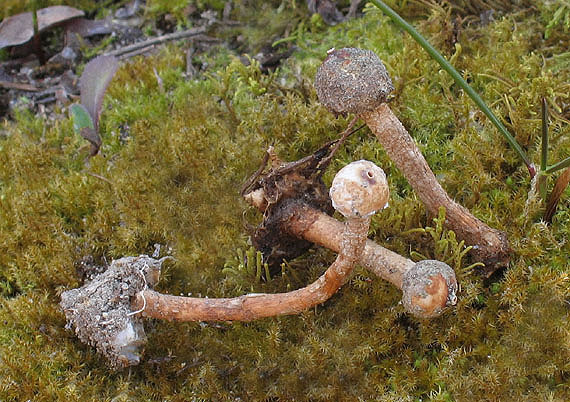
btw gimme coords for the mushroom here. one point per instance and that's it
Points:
(355, 81)
(107, 311)
(428, 286)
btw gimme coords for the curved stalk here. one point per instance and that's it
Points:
(254, 306)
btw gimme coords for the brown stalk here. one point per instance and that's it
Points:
(254, 306)
(319, 228)
(490, 246)
(557, 191)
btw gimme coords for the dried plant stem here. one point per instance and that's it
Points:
(158, 40)
(254, 306)
(561, 185)
(490, 246)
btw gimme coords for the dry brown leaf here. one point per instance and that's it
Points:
(19, 29)
(561, 184)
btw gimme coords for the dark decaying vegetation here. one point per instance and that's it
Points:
(179, 137)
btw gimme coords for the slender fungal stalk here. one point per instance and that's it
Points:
(490, 246)
(254, 306)
(358, 190)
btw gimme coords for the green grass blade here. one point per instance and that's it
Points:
(557, 166)
(458, 79)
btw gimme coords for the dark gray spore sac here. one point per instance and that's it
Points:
(352, 80)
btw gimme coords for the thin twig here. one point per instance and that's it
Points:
(137, 52)
(100, 178)
(249, 182)
(19, 86)
(159, 39)
(323, 164)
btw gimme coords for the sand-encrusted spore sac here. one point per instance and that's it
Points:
(429, 287)
(100, 311)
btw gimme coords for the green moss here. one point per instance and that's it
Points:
(170, 170)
